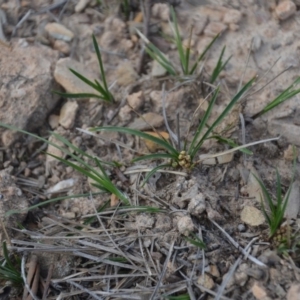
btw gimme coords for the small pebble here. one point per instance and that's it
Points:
(241, 228)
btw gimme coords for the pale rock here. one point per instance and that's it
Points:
(161, 11)
(259, 291)
(214, 28)
(285, 9)
(197, 205)
(293, 204)
(172, 101)
(136, 100)
(26, 84)
(59, 32)
(288, 153)
(53, 121)
(206, 281)
(183, 198)
(125, 113)
(108, 39)
(214, 271)
(68, 114)
(68, 80)
(241, 276)
(116, 26)
(232, 16)
(214, 14)
(126, 74)
(185, 225)
(157, 70)
(61, 186)
(256, 43)
(147, 121)
(234, 27)
(198, 22)
(144, 221)
(252, 216)
(167, 29)
(125, 45)
(289, 131)
(62, 47)
(293, 292)
(81, 5)
(69, 215)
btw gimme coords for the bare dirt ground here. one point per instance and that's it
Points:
(120, 252)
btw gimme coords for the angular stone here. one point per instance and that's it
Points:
(136, 100)
(68, 80)
(68, 114)
(285, 9)
(59, 32)
(214, 28)
(26, 83)
(252, 216)
(148, 121)
(232, 16)
(81, 5)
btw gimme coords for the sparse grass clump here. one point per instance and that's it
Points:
(275, 210)
(10, 269)
(184, 53)
(102, 90)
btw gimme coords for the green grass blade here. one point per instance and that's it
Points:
(183, 57)
(153, 171)
(85, 80)
(100, 63)
(231, 143)
(203, 54)
(192, 148)
(6, 256)
(80, 95)
(154, 156)
(167, 146)
(219, 67)
(196, 242)
(224, 113)
(285, 95)
(157, 55)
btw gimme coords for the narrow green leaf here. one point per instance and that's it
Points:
(84, 79)
(153, 171)
(231, 143)
(219, 67)
(141, 134)
(80, 95)
(100, 63)
(224, 114)
(193, 148)
(285, 95)
(203, 54)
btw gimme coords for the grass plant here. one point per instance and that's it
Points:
(274, 213)
(288, 93)
(102, 90)
(10, 270)
(97, 174)
(184, 52)
(184, 157)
